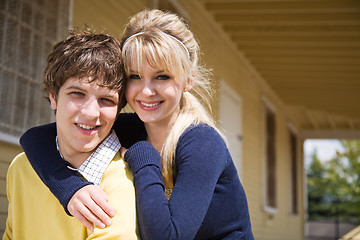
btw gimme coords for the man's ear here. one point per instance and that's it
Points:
(53, 102)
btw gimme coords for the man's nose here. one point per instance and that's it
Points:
(91, 109)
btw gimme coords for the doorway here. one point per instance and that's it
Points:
(230, 116)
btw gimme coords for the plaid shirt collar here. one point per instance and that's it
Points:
(94, 167)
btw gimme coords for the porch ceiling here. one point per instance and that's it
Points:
(307, 50)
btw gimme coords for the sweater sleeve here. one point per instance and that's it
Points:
(40, 148)
(200, 161)
(129, 129)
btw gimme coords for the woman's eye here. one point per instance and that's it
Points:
(134, 76)
(163, 77)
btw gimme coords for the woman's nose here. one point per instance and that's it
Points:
(148, 89)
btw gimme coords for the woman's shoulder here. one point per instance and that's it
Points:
(202, 129)
(201, 133)
(200, 143)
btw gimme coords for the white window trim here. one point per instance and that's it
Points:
(9, 139)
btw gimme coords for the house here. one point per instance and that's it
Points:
(284, 71)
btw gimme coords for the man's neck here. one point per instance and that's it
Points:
(74, 158)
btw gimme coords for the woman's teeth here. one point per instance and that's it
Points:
(149, 104)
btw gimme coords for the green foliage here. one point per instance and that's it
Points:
(335, 184)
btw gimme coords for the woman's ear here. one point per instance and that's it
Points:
(190, 82)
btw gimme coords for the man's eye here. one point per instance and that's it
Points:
(108, 101)
(163, 77)
(77, 93)
(134, 76)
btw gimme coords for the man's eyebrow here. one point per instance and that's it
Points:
(111, 94)
(75, 87)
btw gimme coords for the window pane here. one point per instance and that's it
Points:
(294, 173)
(270, 158)
(28, 29)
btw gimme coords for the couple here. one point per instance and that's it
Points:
(186, 185)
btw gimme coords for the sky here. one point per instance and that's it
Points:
(325, 148)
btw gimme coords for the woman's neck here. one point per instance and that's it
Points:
(156, 135)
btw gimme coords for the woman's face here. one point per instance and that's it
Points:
(154, 94)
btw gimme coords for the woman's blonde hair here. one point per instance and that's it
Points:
(165, 42)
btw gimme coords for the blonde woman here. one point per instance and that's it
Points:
(186, 184)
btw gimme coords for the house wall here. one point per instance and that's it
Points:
(107, 15)
(232, 67)
(7, 152)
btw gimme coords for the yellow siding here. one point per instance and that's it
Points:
(107, 15)
(233, 68)
(7, 153)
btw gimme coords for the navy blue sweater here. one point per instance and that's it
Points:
(207, 202)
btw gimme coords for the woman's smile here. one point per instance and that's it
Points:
(146, 105)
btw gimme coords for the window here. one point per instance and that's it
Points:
(270, 164)
(294, 173)
(28, 30)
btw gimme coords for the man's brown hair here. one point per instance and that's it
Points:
(86, 54)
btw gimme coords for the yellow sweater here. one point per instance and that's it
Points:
(34, 213)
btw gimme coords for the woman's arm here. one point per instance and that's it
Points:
(129, 129)
(200, 159)
(40, 148)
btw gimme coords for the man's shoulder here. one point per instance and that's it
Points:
(19, 163)
(21, 172)
(118, 171)
(117, 182)
(117, 162)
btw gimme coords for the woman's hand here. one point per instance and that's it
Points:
(90, 206)
(123, 151)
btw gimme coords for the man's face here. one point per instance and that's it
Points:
(85, 113)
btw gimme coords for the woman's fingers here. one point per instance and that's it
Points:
(84, 220)
(90, 206)
(123, 151)
(101, 207)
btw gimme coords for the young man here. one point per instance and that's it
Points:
(83, 79)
